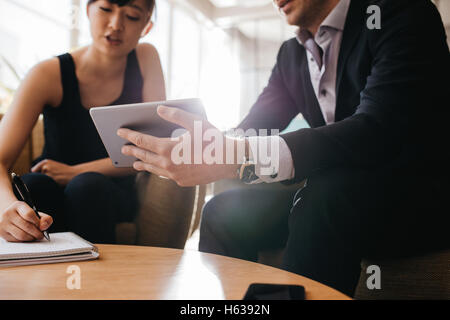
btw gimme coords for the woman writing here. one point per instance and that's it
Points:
(73, 180)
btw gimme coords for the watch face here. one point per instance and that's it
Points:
(249, 174)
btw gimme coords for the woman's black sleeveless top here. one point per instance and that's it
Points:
(70, 134)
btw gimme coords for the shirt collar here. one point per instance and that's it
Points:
(336, 19)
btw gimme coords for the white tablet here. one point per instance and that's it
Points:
(140, 117)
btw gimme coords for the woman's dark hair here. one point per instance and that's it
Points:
(150, 3)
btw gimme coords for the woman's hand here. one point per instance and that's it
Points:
(19, 223)
(60, 172)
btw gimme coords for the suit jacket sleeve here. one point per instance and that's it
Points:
(275, 107)
(409, 56)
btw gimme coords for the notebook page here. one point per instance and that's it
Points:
(61, 244)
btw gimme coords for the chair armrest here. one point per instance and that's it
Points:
(165, 213)
(32, 149)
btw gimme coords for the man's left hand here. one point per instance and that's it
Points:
(156, 154)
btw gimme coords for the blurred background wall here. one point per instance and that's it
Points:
(219, 50)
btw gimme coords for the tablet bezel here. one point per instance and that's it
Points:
(141, 117)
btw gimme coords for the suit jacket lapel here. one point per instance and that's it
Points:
(352, 30)
(298, 78)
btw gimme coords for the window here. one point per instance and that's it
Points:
(198, 61)
(198, 58)
(28, 30)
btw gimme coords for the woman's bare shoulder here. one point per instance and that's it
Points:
(47, 69)
(148, 57)
(150, 64)
(46, 75)
(146, 50)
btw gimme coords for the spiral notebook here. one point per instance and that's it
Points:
(63, 247)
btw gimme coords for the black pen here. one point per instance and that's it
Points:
(22, 189)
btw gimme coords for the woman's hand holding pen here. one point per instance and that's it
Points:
(60, 172)
(19, 223)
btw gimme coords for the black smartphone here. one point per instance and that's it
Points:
(268, 291)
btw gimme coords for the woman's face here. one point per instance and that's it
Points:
(116, 30)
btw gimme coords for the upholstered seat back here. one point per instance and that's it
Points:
(420, 277)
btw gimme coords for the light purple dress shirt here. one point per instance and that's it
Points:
(329, 38)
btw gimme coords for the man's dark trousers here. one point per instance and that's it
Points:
(342, 217)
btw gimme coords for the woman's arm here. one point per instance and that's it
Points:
(154, 85)
(63, 173)
(40, 87)
(105, 167)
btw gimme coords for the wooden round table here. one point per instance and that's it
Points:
(131, 272)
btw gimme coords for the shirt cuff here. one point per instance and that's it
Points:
(272, 157)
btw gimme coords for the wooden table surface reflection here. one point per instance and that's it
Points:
(131, 272)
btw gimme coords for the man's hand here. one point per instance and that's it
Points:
(59, 172)
(157, 155)
(19, 223)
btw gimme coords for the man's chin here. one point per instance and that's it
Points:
(292, 20)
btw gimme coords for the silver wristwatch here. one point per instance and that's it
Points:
(247, 172)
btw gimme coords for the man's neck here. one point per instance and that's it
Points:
(314, 26)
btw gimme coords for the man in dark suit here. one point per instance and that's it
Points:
(374, 159)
